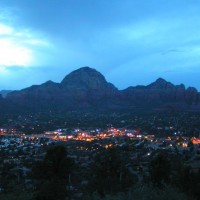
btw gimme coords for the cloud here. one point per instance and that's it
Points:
(19, 46)
(137, 39)
(5, 30)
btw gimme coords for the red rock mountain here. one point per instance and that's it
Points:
(87, 88)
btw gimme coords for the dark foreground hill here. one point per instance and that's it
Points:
(87, 89)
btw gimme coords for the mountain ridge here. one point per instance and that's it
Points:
(159, 80)
(87, 88)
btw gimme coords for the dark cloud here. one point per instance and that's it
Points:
(139, 40)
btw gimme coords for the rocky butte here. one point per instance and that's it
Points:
(87, 89)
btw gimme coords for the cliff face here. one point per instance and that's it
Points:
(87, 88)
(87, 79)
(86, 85)
(162, 91)
(82, 88)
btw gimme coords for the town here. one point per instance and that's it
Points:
(19, 152)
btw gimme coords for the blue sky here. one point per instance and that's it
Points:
(131, 42)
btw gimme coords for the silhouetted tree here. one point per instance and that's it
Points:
(189, 181)
(109, 174)
(52, 174)
(159, 170)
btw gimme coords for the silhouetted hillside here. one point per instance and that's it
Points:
(87, 89)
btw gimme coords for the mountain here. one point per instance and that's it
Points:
(81, 89)
(162, 93)
(89, 79)
(4, 93)
(87, 89)
(87, 84)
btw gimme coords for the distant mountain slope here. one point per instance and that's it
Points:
(5, 92)
(163, 91)
(87, 88)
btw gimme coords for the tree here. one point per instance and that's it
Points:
(159, 170)
(52, 189)
(189, 181)
(109, 174)
(52, 174)
(144, 192)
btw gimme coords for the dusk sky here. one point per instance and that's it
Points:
(131, 42)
